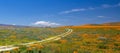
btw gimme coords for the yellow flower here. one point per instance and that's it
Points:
(7, 52)
(75, 51)
(29, 48)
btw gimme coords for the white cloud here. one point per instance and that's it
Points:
(89, 8)
(72, 10)
(118, 4)
(13, 24)
(106, 6)
(100, 16)
(109, 6)
(45, 23)
(82, 9)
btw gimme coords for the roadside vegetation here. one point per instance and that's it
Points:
(25, 35)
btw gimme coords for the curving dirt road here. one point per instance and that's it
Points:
(54, 38)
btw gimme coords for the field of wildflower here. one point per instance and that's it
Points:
(81, 40)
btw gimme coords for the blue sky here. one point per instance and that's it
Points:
(58, 12)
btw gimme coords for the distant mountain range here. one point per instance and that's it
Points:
(8, 25)
(104, 24)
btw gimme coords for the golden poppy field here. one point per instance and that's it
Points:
(90, 39)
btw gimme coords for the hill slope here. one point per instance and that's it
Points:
(104, 24)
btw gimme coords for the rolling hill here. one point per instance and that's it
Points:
(104, 24)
